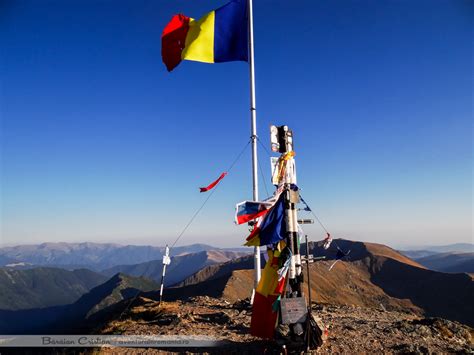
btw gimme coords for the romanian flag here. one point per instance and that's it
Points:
(219, 36)
(271, 227)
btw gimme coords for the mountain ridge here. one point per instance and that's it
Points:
(451, 262)
(94, 256)
(181, 267)
(44, 287)
(380, 275)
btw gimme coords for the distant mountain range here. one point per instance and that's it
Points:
(421, 252)
(449, 262)
(45, 299)
(105, 256)
(181, 266)
(457, 247)
(447, 258)
(94, 256)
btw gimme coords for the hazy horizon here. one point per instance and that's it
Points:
(144, 243)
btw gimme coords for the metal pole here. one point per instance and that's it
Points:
(253, 117)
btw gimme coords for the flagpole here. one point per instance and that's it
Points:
(253, 117)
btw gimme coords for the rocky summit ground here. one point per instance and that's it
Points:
(350, 329)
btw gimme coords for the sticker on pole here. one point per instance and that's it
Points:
(293, 310)
(274, 165)
(166, 257)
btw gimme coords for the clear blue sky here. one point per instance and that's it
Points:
(100, 143)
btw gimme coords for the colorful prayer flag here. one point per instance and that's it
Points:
(264, 317)
(219, 36)
(270, 287)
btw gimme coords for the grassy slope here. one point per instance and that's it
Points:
(44, 287)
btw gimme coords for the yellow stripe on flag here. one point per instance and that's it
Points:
(199, 45)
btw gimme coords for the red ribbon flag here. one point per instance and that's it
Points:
(213, 184)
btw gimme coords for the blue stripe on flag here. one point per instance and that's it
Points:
(231, 32)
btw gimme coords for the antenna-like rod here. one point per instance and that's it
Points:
(253, 117)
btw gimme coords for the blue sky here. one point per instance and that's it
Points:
(100, 143)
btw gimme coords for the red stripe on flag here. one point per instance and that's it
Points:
(173, 40)
(248, 217)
